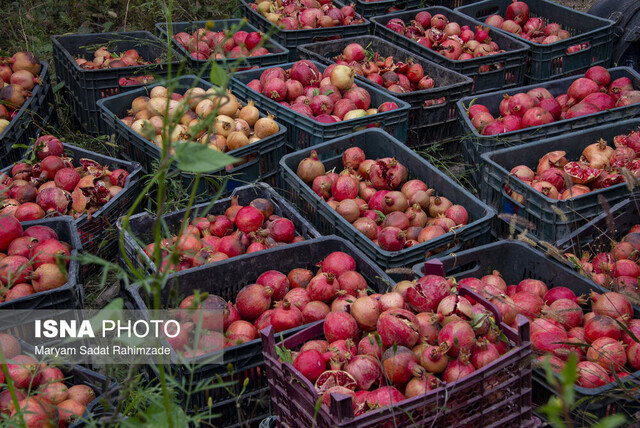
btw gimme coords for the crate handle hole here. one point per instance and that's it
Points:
(494, 68)
(434, 103)
(582, 49)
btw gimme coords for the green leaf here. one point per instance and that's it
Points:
(612, 421)
(284, 354)
(196, 157)
(218, 75)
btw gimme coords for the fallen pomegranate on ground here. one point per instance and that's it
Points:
(306, 14)
(454, 41)
(278, 299)
(396, 76)
(103, 58)
(519, 22)
(204, 44)
(46, 398)
(375, 196)
(29, 259)
(328, 97)
(399, 345)
(50, 184)
(616, 269)
(19, 75)
(593, 93)
(599, 166)
(236, 125)
(239, 230)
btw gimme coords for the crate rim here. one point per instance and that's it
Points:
(194, 79)
(489, 211)
(402, 105)
(161, 27)
(195, 209)
(583, 15)
(464, 80)
(134, 289)
(366, 22)
(487, 158)
(135, 68)
(444, 10)
(464, 117)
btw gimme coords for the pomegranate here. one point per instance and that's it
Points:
(398, 326)
(340, 325)
(252, 300)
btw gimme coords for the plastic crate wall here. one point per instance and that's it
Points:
(545, 218)
(140, 224)
(497, 394)
(304, 132)
(490, 73)
(474, 144)
(263, 168)
(551, 61)
(516, 261)
(291, 39)
(377, 144)
(278, 53)
(225, 279)
(427, 123)
(85, 87)
(37, 112)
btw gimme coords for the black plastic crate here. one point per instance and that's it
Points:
(475, 144)
(291, 39)
(140, 230)
(517, 261)
(225, 279)
(278, 55)
(510, 64)
(377, 144)
(545, 218)
(381, 7)
(98, 231)
(38, 111)
(304, 132)
(547, 62)
(596, 236)
(267, 151)
(429, 123)
(69, 295)
(85, 87)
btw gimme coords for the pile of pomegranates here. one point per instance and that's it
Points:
(306, 14)
(599, 166)
(239, 230)
(593, 93)
(376, 198)
(385, 348)
(235, 126)
(18, 77)
(328, 97)
(28, 259)
(50, 185)
(284, 301)
(616, 269)
(46, 397)
(561, 326)
(204, 44)
(397, 76)
(517, 20)
(448, 38)
(103, 58)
